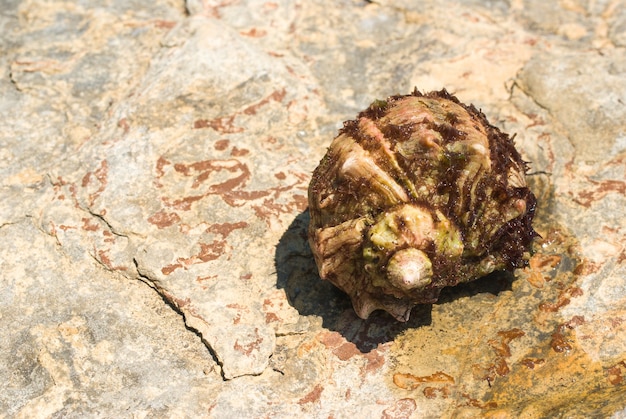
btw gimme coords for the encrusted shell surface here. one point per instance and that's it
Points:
(418, 193)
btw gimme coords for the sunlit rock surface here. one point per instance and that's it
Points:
(154, 162)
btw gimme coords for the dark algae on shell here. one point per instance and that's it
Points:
(418, 193)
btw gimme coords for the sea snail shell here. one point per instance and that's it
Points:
(418, 193)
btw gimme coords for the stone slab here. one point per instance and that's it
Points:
(154, 163)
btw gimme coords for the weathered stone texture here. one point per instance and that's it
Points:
(154, 162)
(79, 339)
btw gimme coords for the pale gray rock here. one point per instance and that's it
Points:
(154, 164)
(617, 31)
(586, 94)
(82, 342)
(195, 165)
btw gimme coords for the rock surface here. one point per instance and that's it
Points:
(154, 163)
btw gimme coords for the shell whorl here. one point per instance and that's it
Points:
(418, 193)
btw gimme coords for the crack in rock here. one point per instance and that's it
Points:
(239, 348)
(171, 304)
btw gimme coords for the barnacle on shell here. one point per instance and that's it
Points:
(418, 193)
